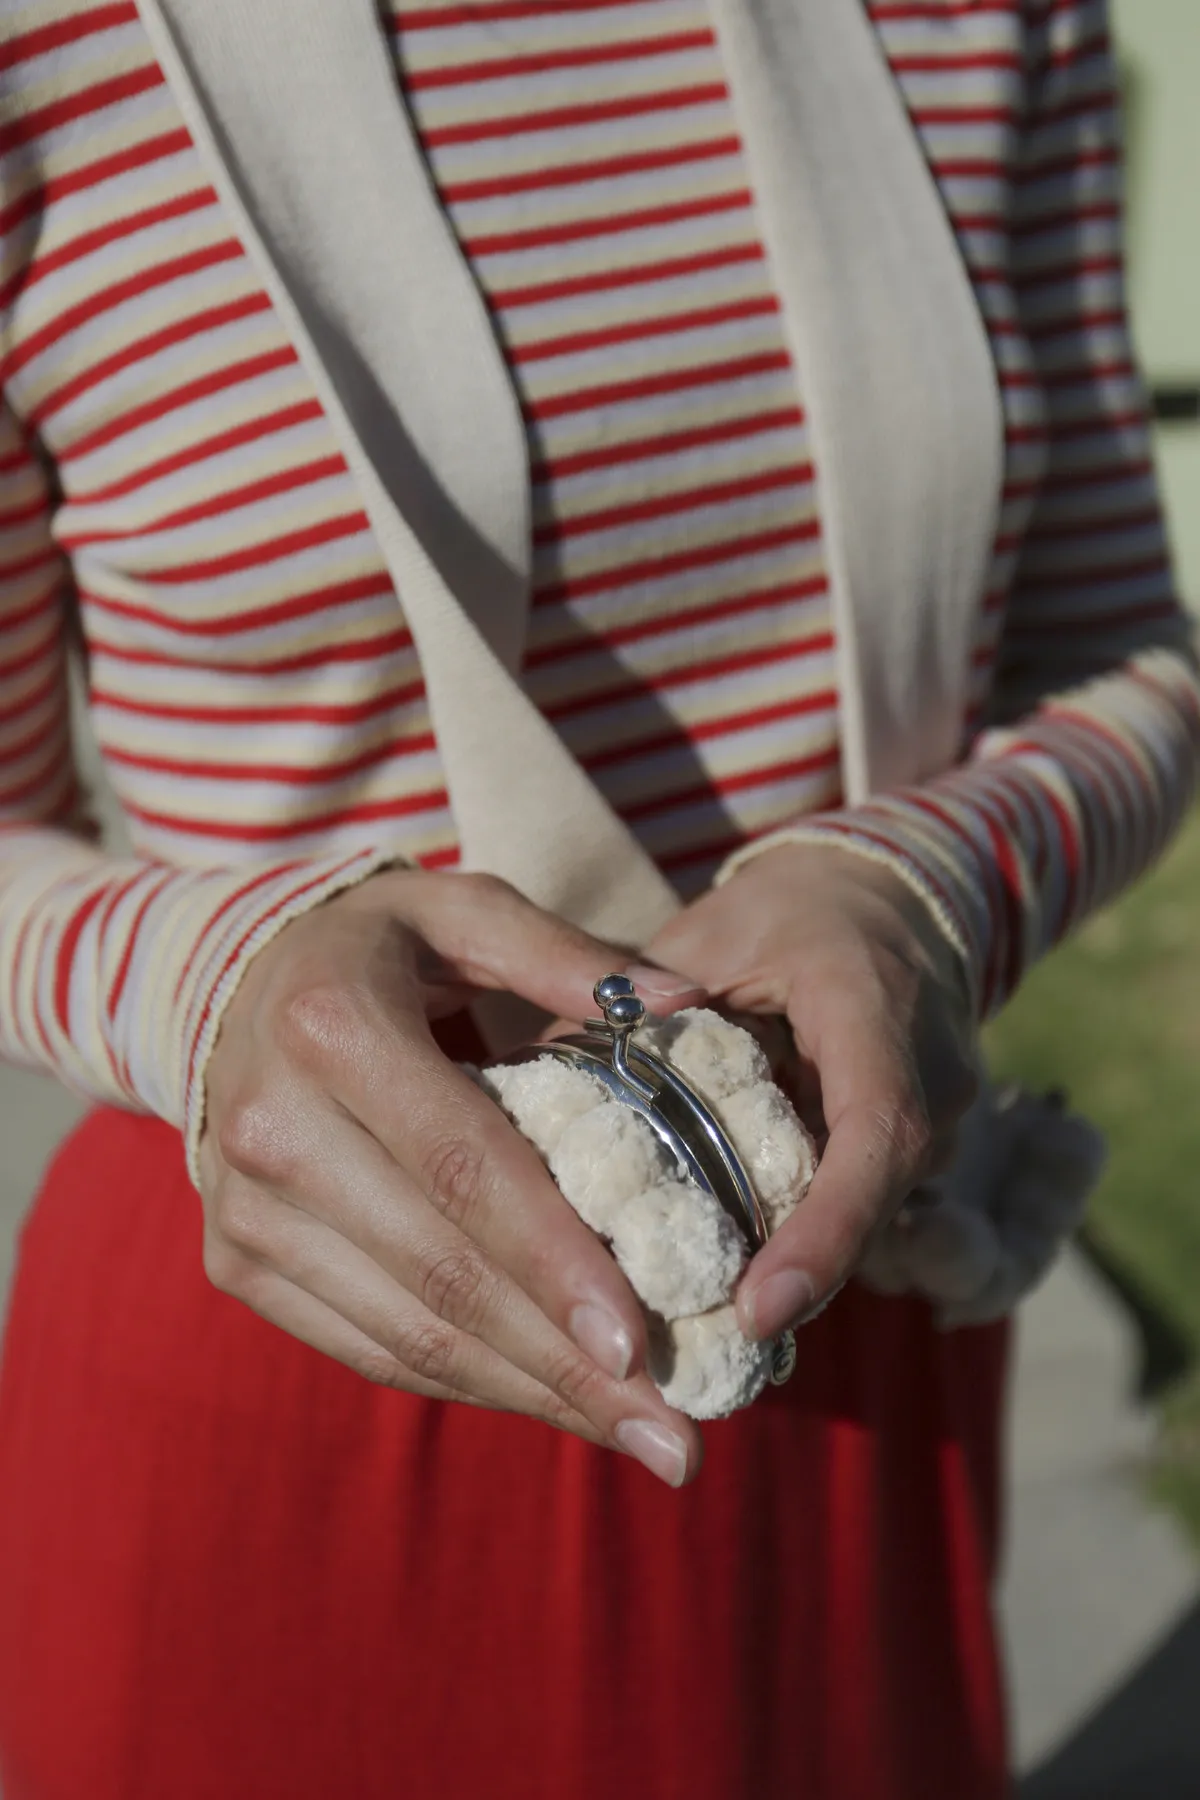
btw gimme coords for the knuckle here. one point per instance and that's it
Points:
(376, 1366)
(553, 1410)
(430, 1351)
(316, 1022)
(455, 1178)
(457, 1284)
(575, 1379)
(487, 890)
(251, 1139)
(241, 1219)
(223, 1265)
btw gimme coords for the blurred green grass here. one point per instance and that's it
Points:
(1115, 1018)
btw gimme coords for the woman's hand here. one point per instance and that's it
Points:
(877, 1003)
(364, 1195)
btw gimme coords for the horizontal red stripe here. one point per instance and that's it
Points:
(92, 174)
(24, 46)
(13, 618)
(1101, 575)
(35, 797)
(279, 831)
(734, 663)
(680, 562)
(559, 118)
(45, 650)
(670, 443)
(440, 18)
(369, 650)
(885, 12)
(1084, 373)
(673, 324)
(48, 262)
(1066, 218)
(19, 707)
(1066, 271)
(956, 62)
(611, 224)
(604, 168)
(1069, 531)
(203, 387)
(352, 713)
(661, 506)
(53, 734)
(226, 500)
(1076, 323)
(299, 775)
(1099, 476)
(40, 120)
(964, 115)
(247, 618)
(637, 746)
(1029, 172)
(1065, 430)
(539, 62)
(107, 299)
(685, 618)
(12, 517)
(670, 381)
(286, 419)
(45, 556)
(767, 775)
(600, 281)
(1035, 168)
(258, 555)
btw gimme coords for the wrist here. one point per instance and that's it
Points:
(805, 855)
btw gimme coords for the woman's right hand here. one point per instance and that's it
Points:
(362, 1193)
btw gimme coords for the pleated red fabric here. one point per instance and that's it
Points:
(231, 1570)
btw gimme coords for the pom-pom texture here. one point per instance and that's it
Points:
(682, 1252)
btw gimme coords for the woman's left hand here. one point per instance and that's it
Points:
(877, 1002)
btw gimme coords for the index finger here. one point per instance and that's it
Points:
(487, 1180)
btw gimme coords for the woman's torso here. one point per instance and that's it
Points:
(253, 685)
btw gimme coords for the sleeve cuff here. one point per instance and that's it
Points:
(246, 930)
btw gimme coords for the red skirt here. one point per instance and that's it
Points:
(231, 1570)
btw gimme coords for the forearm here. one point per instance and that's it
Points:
(1049, 819)
(116, 971)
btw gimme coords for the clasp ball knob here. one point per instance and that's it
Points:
(612, 987)
(624, 1009)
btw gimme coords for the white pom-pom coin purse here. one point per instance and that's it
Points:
(610, 1050)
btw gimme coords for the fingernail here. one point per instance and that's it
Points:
(601, 1335)
(664, 1454)
(782, 1300)
(661, 983)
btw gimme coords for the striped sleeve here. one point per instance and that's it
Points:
(1088, 759)
(113, 973)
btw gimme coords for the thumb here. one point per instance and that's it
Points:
(492, 937)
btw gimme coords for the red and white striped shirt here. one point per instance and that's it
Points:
(171, 491)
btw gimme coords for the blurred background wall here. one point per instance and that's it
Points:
(1159, 45)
